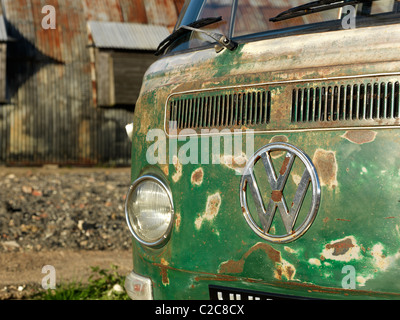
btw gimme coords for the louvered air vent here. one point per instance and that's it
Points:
(346, 102)
(214, 109)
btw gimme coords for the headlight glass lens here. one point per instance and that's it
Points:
(149, 210)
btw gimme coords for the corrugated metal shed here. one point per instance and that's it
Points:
(3, 31)
(122, 35)
(157, 12)
(50, 115)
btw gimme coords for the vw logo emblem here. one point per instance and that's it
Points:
(277, 202)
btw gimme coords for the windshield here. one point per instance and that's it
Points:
(254, 16)
(241, 18)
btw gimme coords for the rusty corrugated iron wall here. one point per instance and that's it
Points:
(50, 116)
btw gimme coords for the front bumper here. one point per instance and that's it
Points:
(138, 287)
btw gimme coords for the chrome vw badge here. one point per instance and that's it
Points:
(276, 193)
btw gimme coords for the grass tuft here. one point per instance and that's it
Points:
(102, 284)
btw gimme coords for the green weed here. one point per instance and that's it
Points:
(102, 284)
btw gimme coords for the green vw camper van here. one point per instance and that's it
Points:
(266, 154)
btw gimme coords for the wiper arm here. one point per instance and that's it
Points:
(315, 6)
(224, 41)
(181, 31)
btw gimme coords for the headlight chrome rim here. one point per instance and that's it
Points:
(164, 238)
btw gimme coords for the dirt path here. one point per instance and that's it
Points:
(23, 270)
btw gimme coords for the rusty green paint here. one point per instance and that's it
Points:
(357, 223)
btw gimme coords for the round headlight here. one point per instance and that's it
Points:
(149, 210)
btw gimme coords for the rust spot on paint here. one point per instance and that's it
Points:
(197, 176)
(286, 270)
(282, 267)
(164, 276)
(360, 136)
(233, 266)
(276, 196)
(284, 165)
(326, 165)
(340, 247)
(344, 249)
(164, 272)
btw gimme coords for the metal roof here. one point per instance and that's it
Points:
(122, 35)
(3, 30)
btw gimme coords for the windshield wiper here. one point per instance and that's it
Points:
(224, 42)
(181, 31)
(315, 6)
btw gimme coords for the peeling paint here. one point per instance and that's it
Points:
(178, 168)
(296, 179)
(360, 136)
(236, 163)
(164, 272)
(381, 261)
(164, 262)
(282, 267)
(178, 220)
(290, 250)
(361, 280)
(212, 208)
(345, 249)
(314, 261)
(326, 165)
(233, 266)
(279, 138)
(197, 177)
(165, 169)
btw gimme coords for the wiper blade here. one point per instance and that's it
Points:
(181, 31)
(315, 6)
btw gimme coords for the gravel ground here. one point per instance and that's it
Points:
(71, 218)
(50, 208)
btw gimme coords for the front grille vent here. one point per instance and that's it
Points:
(216, 109)
(346, 102)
